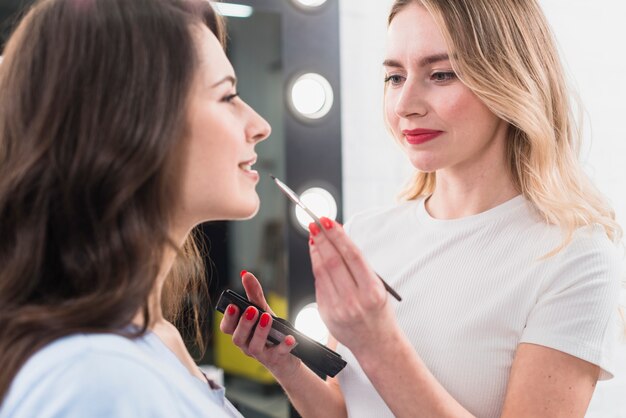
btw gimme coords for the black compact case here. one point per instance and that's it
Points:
(317, 357)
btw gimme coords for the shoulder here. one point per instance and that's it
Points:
(576, 311)
(100, 375)
(585, 249)
(113, 361)
(91, 375)
(591, 252)
(588, 267)
(79, 352)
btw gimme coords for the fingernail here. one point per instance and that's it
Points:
(231, 310)
(311, 242)
(242, 273)
(314, 229)
(326, 223)
(250, 312)
(290, 341)
(265, 319)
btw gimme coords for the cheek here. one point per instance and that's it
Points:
(455, 105)
(209, 138)
(465, 112)
(207, 158)
(200, 169)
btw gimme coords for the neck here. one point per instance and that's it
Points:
(466, 191)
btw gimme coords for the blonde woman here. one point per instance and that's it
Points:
(504, 252)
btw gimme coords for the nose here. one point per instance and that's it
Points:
(411, 101)
(258, 128)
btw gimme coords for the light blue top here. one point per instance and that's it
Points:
(106, 375)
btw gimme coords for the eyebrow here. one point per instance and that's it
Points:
(228, 78)
(431, 59)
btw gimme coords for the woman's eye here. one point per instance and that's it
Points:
(230, 97)
(443, 76)
(394, 80)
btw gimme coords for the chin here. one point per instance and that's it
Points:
(424, 164)
(237, 209)
(250, 214)
(424, 168)
(247, 209)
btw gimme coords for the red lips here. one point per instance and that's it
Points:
(420, 136)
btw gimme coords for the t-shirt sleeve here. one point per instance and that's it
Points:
(103, 386)
(577, 310)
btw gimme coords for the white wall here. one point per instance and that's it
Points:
(591, 35)
(373, 167)
(592, 41)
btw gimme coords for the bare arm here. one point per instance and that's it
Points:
(549, 383)
(543, 383)
(307, 392)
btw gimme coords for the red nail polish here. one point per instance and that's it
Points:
(250, 312)
(311, 242)
(326, 223)
(265, 319)
(314, 229)
(231, 310)
(243, 272)
(290, 341)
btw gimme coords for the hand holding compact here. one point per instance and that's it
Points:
(251, 337)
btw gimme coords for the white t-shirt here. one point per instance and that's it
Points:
(106, 375)
(476, 287)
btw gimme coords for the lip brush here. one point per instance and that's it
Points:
(296, 199)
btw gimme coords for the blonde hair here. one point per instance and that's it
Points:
(505, 53)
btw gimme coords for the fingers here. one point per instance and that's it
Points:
(325, 290)
(329, 259)
(254, 290)
(334, 236)
(348, 270)
(250, 330)
(250, 335)
(285, 347)
(243, 332)
(259, 344)
(230, 320)
(259, 337)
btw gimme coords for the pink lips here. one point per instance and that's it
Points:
(246, 167)
(420, 136)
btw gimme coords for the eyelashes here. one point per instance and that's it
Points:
(394, 80)
(443, 76)
(438, 77)
(230, 97)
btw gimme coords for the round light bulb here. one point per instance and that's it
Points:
(309, 3)
(309, 322)
(321, 203)
(311, 96)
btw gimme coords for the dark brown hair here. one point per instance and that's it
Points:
(92, 116)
